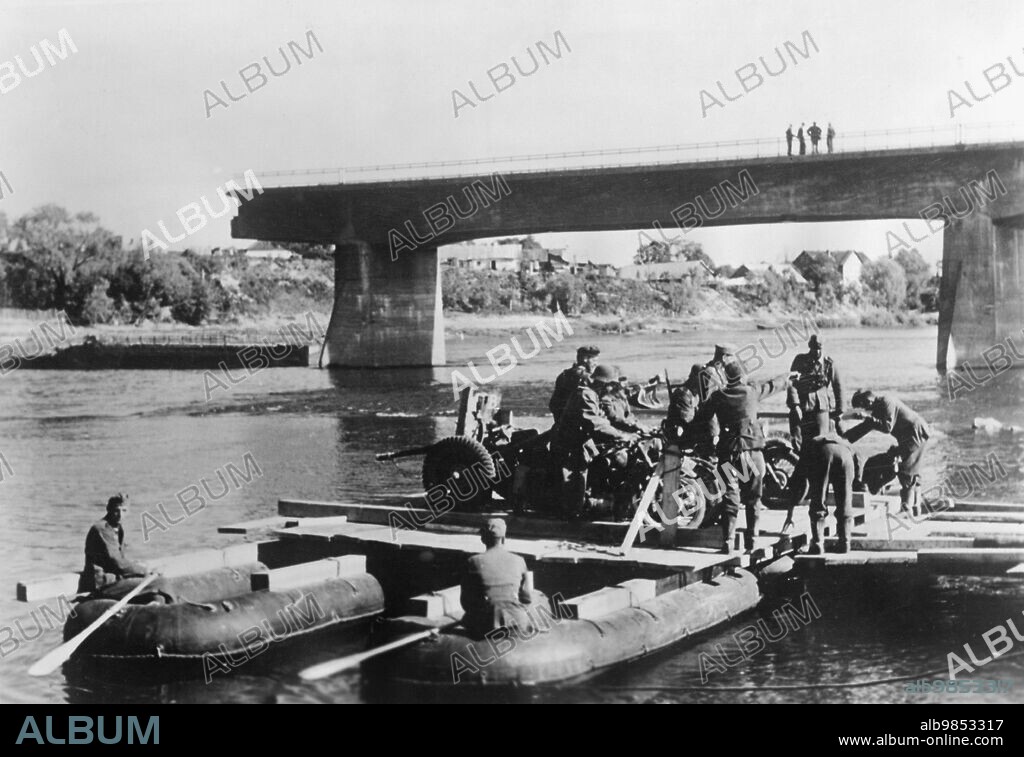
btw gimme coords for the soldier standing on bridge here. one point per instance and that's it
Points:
(800, 139)
(789, 140)
(829, 136)
(815, 134)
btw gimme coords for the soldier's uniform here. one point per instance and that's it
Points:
(892, 416)
(824, 460)
(740, 444)
(105, 563)
(582, 423)
(685, 401)
(616, 408)
(565, 386)
(495, 588)
(814, 397)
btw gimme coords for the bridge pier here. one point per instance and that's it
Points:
(387, 313)
(982, 297)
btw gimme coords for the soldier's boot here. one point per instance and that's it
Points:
(752, 532)
(814, 548)
(844, 526)
(728, 534)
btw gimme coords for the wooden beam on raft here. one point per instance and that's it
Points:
(304, 574)
(969, 562)
(977, 517)
(36, 589)
(988, 507)
(1016, 570)
(253, 526)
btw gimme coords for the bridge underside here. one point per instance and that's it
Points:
(387, 309)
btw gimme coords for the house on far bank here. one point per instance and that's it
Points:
(676, 270)
(849, 262)
(274, 254)
(515, 256)
(750, 273)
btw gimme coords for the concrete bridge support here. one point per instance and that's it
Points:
(982, 290)
(387, 312)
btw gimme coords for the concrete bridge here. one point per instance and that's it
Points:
(387, 309)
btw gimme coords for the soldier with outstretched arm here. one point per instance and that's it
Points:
(740, 446)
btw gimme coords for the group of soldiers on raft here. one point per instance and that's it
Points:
(714, 412)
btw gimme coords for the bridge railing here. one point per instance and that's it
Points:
(770, 147)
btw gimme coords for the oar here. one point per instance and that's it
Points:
(329, 668)
(60, 655)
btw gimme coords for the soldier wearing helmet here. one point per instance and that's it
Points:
(582, 423)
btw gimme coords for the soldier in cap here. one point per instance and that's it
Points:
(576, 374)
(740, 445)
(495, 585)
(815, 396)
(583, 422)
(105, 563)
(712, 375)
(891, 416)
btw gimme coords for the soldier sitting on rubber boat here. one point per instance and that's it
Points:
(495, 586)
(106, 566)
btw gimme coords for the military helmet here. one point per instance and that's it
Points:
(605, 374)
(733, 373)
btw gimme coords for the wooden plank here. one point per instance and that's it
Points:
(308, 573)
(599, 603)
(856, 559)
(973, 506)
(1016, 570)
(640, 590)
(436, 604)
(36, 589)
(262, 524)
(906, 544)
(978, 517)
(971, 559)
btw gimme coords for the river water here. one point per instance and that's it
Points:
(70, 439)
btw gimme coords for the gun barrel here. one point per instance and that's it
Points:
(385, 456)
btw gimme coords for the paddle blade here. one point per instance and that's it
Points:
(329, 668)
(57, 657)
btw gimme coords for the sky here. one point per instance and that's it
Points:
(121, 127)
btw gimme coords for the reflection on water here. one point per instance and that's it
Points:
(71, 439)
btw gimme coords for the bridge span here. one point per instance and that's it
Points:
(387, 308)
